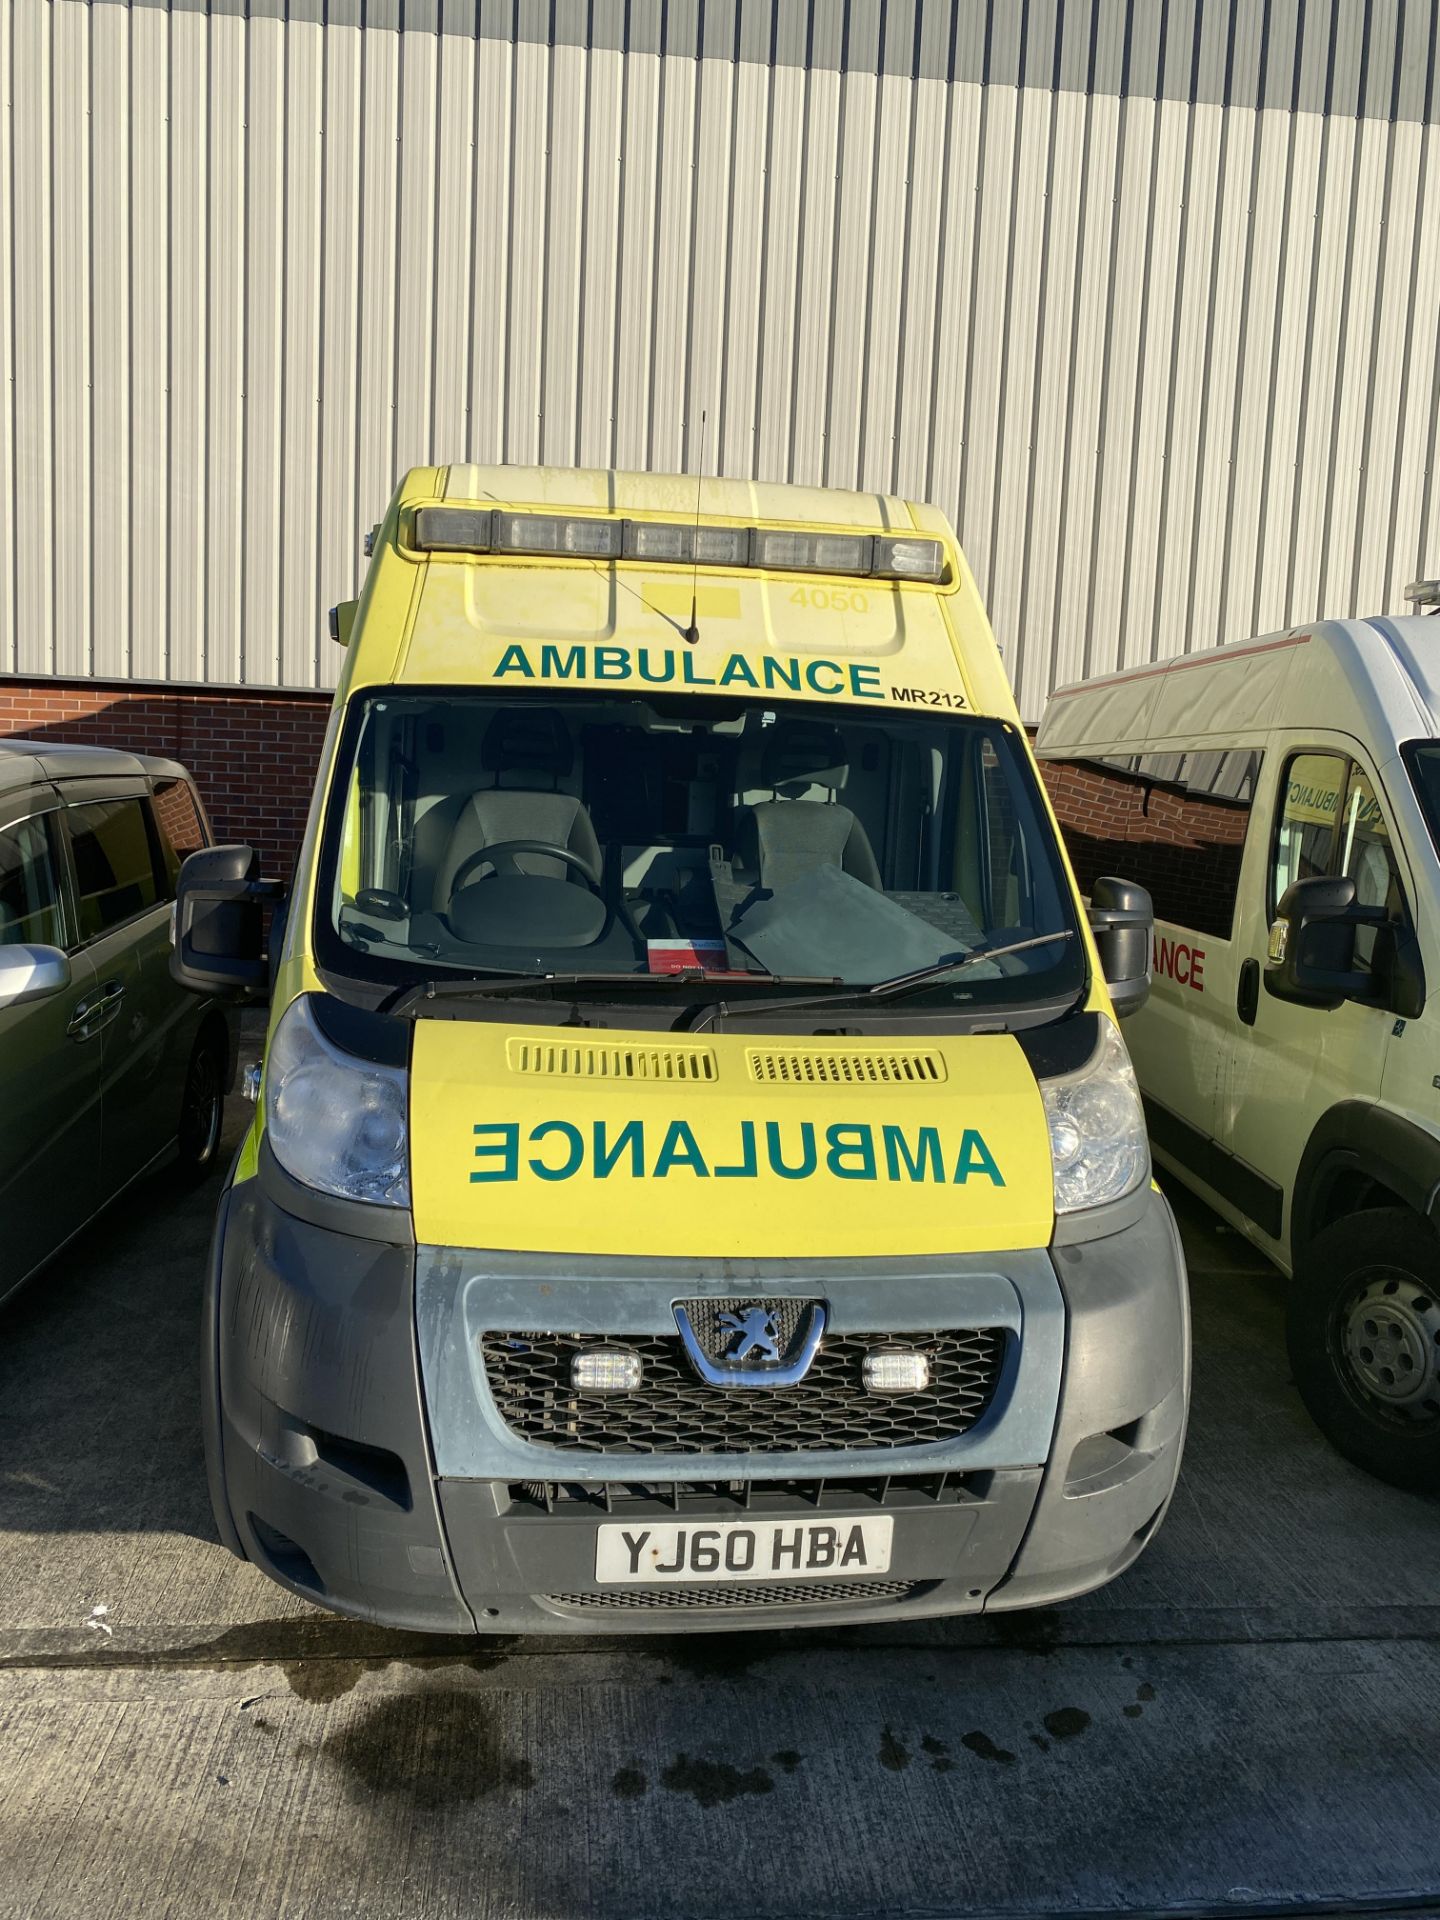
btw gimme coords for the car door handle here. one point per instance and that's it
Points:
(97, 1012)
(1247, 999)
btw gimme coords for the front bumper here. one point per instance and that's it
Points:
(357, 1455)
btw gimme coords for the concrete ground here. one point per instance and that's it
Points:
(1247, 1722)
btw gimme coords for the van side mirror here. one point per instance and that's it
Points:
(218, 945)
(31, 973)
(1311, 958)
(1122, 920)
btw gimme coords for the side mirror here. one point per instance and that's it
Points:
(31, 973)
(218, 944)
(1311, 959)
(1123, 922)
(342, 622)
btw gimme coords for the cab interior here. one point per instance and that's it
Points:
(616, 835)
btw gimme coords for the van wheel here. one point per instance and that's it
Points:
(202, 1113)
(1363, 1330)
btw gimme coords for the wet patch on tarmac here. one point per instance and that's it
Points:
(712, 1783)
(1066, 1722)
(1026, 1630)
(894, 1756)
(628, 1783)
(717, 1656)
(320, 1681)
(981, 1744)
(438, 1749)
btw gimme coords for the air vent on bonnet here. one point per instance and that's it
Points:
(847, 1067)
(580, 1060)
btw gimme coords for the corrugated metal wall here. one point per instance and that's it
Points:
(1145, 295)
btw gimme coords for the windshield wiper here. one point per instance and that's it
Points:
(901, 982)
(404, 999)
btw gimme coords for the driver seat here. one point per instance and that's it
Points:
(524, 747)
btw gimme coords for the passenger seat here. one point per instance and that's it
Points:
(780, 840)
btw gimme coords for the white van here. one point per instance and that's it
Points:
(1280, 798)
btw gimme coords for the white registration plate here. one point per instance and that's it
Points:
(644, 1553)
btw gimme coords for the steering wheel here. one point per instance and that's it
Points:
(500, 854)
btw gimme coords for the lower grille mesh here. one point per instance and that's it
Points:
(824, 1593)
(674, 1411)
(732, 1497)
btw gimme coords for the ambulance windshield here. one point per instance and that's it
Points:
(740, 843)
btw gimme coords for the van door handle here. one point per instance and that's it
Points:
(1247, 1000)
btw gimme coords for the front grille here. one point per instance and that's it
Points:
(819, 1593)
(676, 1412)
(729, 1498)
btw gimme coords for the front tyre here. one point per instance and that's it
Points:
(202, 1113)
(1363, 1330)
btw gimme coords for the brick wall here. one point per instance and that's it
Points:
(1184, 847)
(253, 755)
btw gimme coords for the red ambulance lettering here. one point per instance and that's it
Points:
(1184, 964)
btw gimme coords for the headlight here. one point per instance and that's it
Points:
(335, 1122)
(1097, 1128)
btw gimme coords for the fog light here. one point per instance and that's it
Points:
(606, 1371)
(891, 1371)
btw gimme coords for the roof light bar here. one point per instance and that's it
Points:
(1423, 593)
(558, 534)
(783, 550)
(682, 541)
(886, 556)
(453, 529)
(903, 557)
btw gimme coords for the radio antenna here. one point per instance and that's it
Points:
(692, 633)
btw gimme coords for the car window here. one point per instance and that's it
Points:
(1174, 822)
(115, 866)
(1305, 834)
(1332, 822)
(182, 832)
(759, 844)
(1367, 856)
(29, 893)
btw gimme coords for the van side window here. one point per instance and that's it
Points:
(1305, 836)
(182, 831)
(29, 896)
(115, 865)
(1367, 856)
(1174, 822)
(1332, 822)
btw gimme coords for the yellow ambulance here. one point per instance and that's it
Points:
(697, 1178)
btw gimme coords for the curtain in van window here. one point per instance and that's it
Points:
(1174, 822)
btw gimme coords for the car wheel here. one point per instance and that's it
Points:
(202, 1112)
(1363, 1330)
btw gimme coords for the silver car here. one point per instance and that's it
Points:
(107, 1068)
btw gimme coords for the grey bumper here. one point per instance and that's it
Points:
(357, 1455)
